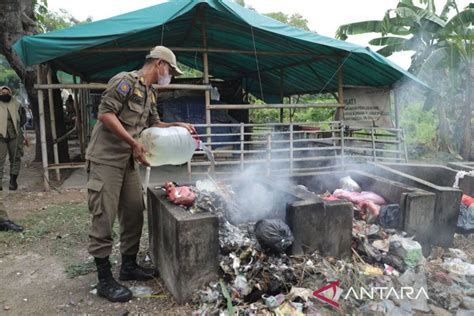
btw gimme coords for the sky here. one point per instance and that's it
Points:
(324, 16)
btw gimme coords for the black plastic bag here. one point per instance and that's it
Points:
(273, 235)
(390, 216)
(465, 223)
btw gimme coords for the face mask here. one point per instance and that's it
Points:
(164, 79)
(5, 97)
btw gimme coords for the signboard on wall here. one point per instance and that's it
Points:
(367, 107)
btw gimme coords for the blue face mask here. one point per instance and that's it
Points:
(5, 98)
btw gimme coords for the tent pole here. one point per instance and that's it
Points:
(53, 122)
(207, 93)
(44, 151)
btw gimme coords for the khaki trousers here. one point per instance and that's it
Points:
(14, 148)
(114, 192)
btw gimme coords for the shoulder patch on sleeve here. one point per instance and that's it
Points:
(124, 87)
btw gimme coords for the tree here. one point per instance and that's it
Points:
(19, 18)
(442, 57)
(296, 19)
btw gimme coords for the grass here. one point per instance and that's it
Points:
(66, 225)
(61, 231)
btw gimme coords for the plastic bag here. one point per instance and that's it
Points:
(180, 195)
(348, 184)
(274, 235)
(408, 249)
(358, 197)
(390, 216)
(465, 223)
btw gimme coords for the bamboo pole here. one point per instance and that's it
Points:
(78, 117)
(53, 123)
(242, 146)
(103, 86)
(340, 111)
(44, 150)
(282, 95)
(273, 106)
(207, 93)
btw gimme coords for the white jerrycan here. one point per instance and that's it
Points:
(168, 145)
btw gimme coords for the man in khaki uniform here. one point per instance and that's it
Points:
(11, 136)
(127, 107)
(5, 223)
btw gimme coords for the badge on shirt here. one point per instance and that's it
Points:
(124, 87)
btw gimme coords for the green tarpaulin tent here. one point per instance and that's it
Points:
(265, 51)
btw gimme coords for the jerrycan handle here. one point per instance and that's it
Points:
(196, 138)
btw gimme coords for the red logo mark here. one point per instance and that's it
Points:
(318, 294)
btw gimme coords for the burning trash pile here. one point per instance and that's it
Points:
(387, 272)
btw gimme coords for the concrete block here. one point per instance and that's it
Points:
(326, 227)
(447, 203)
(183, 246)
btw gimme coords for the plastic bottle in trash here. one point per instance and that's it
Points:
(168, 146)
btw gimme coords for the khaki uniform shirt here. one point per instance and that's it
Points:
(135, 106)
(9, 114)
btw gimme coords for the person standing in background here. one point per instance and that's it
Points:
(12, 118)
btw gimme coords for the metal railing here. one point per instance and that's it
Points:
(294, 147)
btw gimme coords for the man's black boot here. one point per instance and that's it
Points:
(130, 270)
(8, 225)
(107, 286)
(13, 184)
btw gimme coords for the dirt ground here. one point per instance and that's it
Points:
(47, 270)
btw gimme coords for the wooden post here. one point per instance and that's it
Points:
(374, 153)
(340, 111)
(242, 146)
(269, 154)
(44, 150)
(53, 123)
(291, 147)
(77, 108)
(207, 93)
(282, 95)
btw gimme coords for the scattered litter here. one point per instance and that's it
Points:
(256, 281)
(457, 266)
(141, 291)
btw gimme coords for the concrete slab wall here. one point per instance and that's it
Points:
(436, 174)
(447, 204)
(417, 205)
(183, 246)
(466, 166)
(325, 227)
(315, 224)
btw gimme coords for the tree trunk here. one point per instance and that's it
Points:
(17, 19)
(444, 143)
(467, 117)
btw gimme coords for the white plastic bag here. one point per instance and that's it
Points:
(168, 146)
(348, 184)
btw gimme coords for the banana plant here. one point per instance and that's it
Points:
(442, 56)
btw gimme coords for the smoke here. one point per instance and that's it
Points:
(258, 197)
